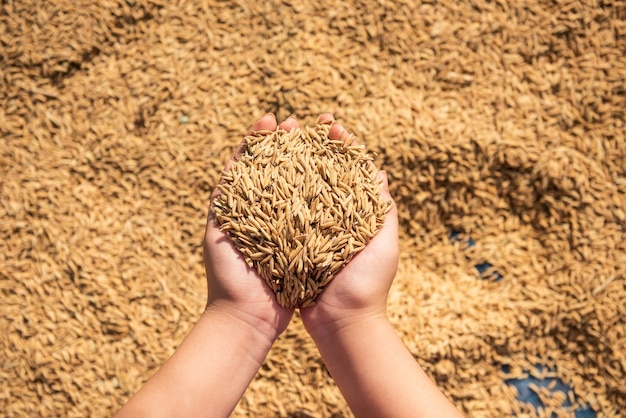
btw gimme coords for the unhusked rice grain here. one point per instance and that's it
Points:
(298, 206)
(501, 121)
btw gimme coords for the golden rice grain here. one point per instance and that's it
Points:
(293, 243)
(503, 121)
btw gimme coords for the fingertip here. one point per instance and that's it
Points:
(337, 132)
(289, 124)
(266, 123)
(216, 192)
(326, 118)
(381, 176)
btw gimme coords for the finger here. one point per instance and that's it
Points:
(214, 195)
(384, 194)
(289, 124)
(391, 218)
(326, 118)
(338, 132)
(265, 123)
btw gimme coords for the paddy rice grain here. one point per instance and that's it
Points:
(298, 206)
(500, 121)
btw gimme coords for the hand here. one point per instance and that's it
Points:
(211, 369)
(374, 370)
(233, 286)
(360, 289)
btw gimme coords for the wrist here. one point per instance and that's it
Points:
(261, 330)
(322, 325)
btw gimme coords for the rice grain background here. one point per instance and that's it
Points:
(501, 121)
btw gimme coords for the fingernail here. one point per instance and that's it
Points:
(328, 119)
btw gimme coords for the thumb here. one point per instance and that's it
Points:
(382, 177)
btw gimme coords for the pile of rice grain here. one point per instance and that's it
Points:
(500, 121)
(299, 206)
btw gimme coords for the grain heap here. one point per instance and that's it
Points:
(299, 206)
(500, 121)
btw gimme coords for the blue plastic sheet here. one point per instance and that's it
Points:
(523, 386)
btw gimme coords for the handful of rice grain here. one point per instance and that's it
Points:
(299, 206)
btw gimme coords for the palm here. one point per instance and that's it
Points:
(369, 274)
(229, 276)
(230, 280)
(363, 284)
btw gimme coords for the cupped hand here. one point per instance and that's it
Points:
(359, 291)
(233, 286)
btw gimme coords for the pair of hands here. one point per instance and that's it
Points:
(211, 369)
(359, 291)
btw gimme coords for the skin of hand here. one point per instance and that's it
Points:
(360, 289)
(210, 370)
(248, 297)
(376, 373)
